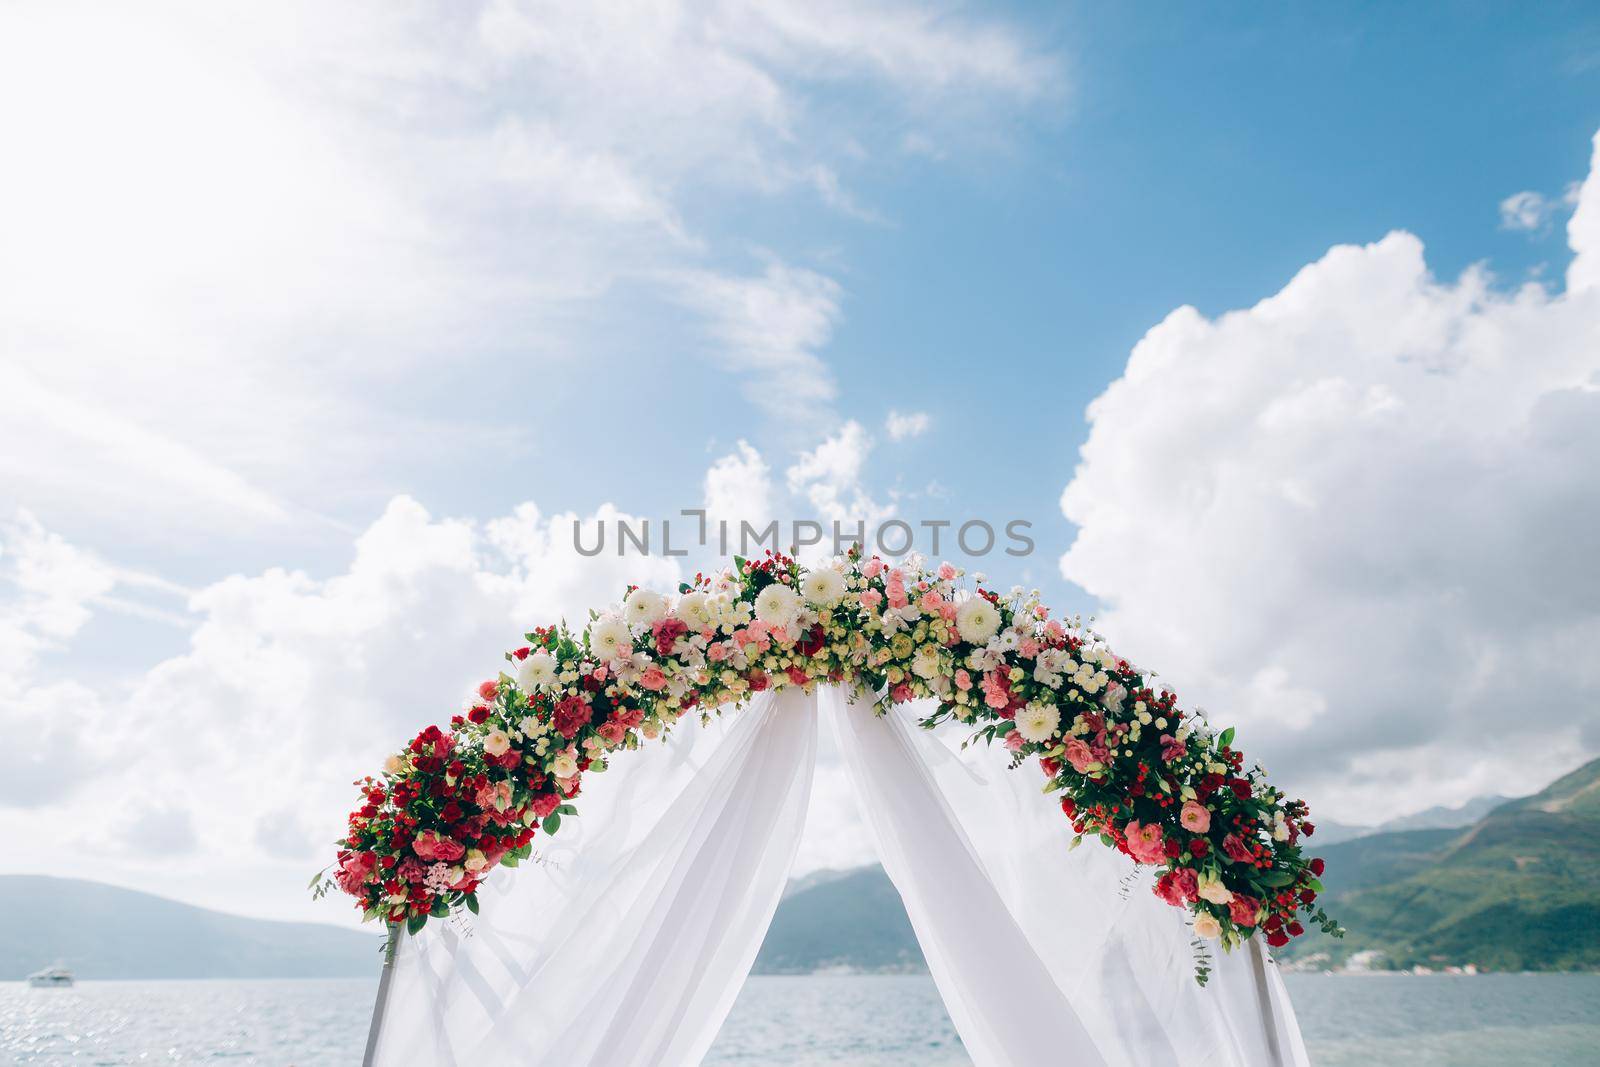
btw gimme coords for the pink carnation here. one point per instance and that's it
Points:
(432, 845)
(947, 571)
(1236, 850)
(354, 870)
(653, 679)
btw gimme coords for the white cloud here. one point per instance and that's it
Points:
(738, 488)
(907, 424)
(771, 327)
(829, 479)
(1525, 211)
(271, 225)
(231, 762)
(1358, 519)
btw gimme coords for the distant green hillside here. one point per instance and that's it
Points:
(852, 919)
(1518, 890)
(103, 931)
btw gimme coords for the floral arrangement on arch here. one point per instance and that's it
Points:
(1131, 768)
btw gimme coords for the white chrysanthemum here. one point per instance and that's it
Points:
(695, 611)
(977, 620)
(822, 587)
(534, 670)
(778, 605)
(1037, 723)
(644, 607)
(609, 638)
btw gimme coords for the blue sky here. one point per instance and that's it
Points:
(274, 270)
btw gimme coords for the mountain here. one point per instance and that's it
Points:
(1330, 832)
(103, 931)
(1519, 889)
(851, 920)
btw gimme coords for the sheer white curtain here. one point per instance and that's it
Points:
(627, 942)
(1044, 956)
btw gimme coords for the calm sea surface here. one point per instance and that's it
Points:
(1498, 1020)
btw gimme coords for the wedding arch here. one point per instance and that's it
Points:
(628, 936)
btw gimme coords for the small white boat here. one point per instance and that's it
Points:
(51, 978)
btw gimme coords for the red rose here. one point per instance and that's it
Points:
(1317, 866)
(479, 714)
(1277, 938)
(1295, 929)
(1241, 788)
(1200, 847)
(1307, 829)
(813, 641)
(667, 632)
(758, 682)
(545, 803)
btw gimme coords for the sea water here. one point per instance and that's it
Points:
(857, 1021)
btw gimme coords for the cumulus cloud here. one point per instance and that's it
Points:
(1358, 519)
(904, 425)
(239, 751)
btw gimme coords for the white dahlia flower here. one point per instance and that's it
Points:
(1037, 723)
(977, 620)
(822, 587)
(695, 611)
(534, 670)
(609, 639)
(778, 605)
(644, 607)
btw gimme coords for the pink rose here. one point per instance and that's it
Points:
(1079, 755)
(1014, 741)
(652, 679)
(488, 690)
(873, 567)
(613, 732)
(870, 599)
(1243, 910)
(963, 680)
(1195, 817)
(947, 572)
(1144, 843)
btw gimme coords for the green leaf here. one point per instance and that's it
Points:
(416, 922)
(1226, 738)
(552, 822)
(441, 910)
(567, 809)
(510, 859)
(1276, 879)
(472, 903)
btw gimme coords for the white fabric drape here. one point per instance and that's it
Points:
(1045, 956)
(626, 943)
